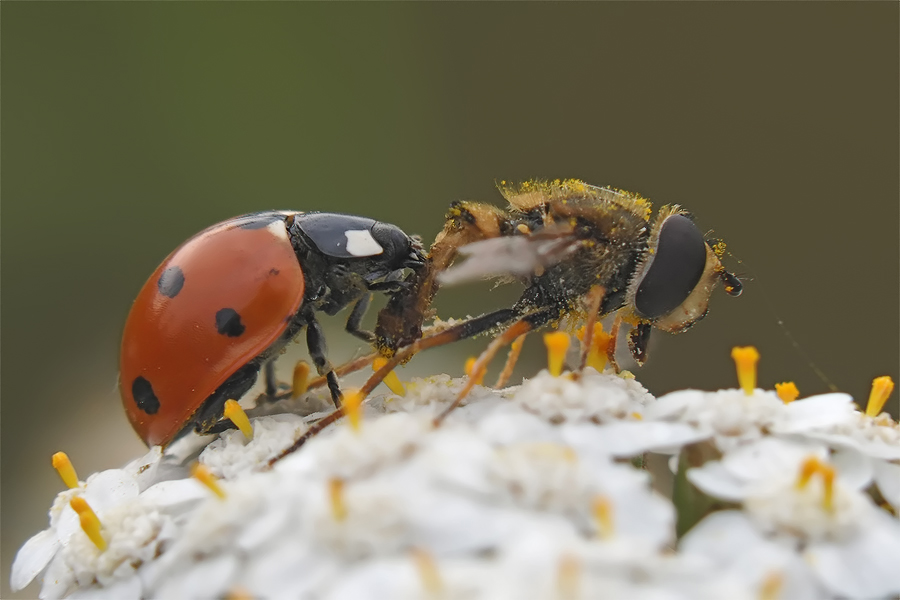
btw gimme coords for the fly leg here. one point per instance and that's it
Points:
(522, 326)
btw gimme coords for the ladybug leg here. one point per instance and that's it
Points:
(273, 388)
(318, 351)
(355, 320)
(466, 329)
(208, 418)
(271, 382)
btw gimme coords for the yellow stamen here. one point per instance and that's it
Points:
(603, 516)
(201, 473)
(352, 402)
(828, 473)
(236, 415)
(637, 416)
(745, 360)
(428, 571)
(598, 352)
(392, 381)
(470, 365)
(808, 468)
(300, 382)
(626, 374)
(336, 495)
(787, 391)
(881, 391)
(90, 524)
(772, 586)
(812, 466)
(66, 471)
(557, 344)
(568, 577)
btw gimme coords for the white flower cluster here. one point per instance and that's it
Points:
(526, 492)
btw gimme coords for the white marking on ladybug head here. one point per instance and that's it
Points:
(361, 243)
(278, 229)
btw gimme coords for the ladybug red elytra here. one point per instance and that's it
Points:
(224, 303)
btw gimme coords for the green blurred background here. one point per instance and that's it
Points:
(128, 127)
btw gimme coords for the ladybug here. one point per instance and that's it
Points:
(226, 301)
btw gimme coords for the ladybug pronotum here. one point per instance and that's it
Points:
(223, 304)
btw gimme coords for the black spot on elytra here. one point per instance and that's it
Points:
(170, 282)
(143, 395)
(228, 322)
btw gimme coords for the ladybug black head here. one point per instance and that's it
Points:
(400, 250)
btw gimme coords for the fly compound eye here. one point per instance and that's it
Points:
(675, 268)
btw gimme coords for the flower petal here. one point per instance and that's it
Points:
(32, 558)
(817, 412)
(887, 476)
(624, 439)
(865, 567)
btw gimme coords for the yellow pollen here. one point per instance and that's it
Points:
(603, 516)
(568, 577)
(66, 471)
(554, 451)
(300, 382)
(428, 571)
(598, 352)
(745, 360)
(90, 524)
(626, 374)
(881, 391)
(236, 415)
(808, 468)
(469, 368)
(352, 402)
(557, 344)
(771, 586)
(787, 391)
(239, 593)
(637, 416)
(523, 228)
(828, 473)
(201, 473)
(813, 466)
(336, 495)
(391, 380)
